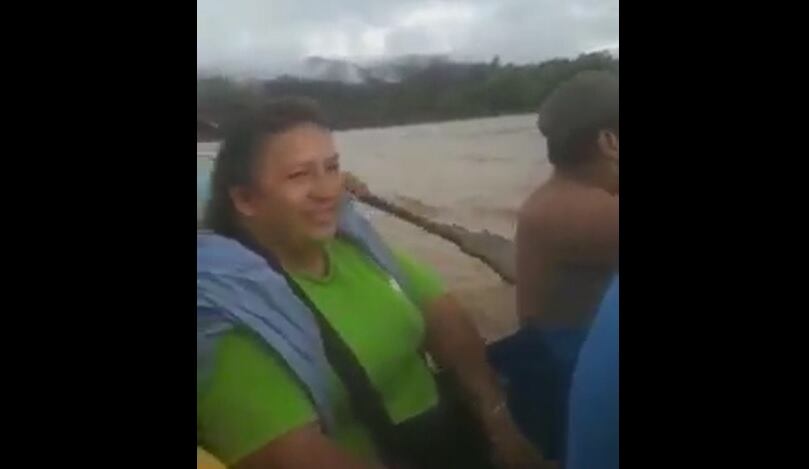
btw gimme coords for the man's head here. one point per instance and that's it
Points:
(579, 119)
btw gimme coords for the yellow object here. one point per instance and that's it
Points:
(206, 461)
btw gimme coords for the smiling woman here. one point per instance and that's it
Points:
(311, 331)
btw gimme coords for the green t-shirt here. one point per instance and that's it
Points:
(253, 398)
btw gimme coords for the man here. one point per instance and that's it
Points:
(567, 234)
(567, 253)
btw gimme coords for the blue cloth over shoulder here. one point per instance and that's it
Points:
(237, 287)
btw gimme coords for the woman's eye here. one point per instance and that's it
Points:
(297, 175)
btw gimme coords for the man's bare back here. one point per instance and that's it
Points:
(567, 252)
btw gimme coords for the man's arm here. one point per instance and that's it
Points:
(532, 277)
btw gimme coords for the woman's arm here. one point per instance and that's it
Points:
(453, 341)
(455, 344)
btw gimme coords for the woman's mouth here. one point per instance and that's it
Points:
(323, 216)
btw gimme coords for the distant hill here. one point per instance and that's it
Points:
(384, 70)
(319, 68)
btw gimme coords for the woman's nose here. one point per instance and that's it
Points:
(327, 185)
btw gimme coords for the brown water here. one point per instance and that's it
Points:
(475, 173)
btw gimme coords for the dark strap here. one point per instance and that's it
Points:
(365, 400)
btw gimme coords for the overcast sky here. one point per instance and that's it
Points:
(273, 36)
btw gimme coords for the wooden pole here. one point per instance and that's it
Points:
(495, 251)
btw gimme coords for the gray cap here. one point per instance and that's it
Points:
(587, 100)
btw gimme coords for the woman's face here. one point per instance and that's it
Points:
(296, 187)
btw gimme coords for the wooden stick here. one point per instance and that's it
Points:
(495, 251)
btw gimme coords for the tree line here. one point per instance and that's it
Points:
(442, 90)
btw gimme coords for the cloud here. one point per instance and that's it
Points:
(273, 36)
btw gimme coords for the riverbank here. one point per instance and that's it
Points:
(207, 133)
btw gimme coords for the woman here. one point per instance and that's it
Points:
(277, 195)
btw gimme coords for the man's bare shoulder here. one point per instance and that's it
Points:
(562, 206)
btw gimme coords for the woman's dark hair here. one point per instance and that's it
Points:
(238, 153)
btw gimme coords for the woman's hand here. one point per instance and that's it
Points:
(455, 343)
(510, 449)
(354, 185)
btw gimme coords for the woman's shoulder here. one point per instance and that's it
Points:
(239, 352)
(218, 254)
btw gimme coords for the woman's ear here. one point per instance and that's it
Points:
(242, 201)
